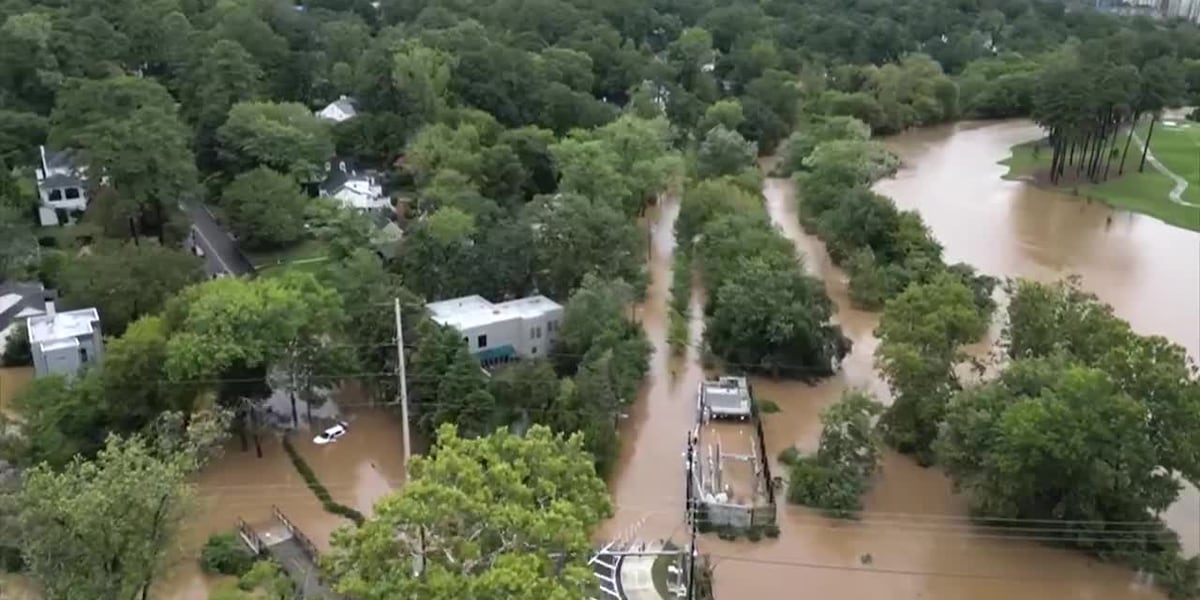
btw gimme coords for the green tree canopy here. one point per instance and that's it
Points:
(124, 281)
(487, 515)
(103, 528)
(265, 209)
(835, 478)
(921, 334)
(285, 136)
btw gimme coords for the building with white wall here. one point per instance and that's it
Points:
(524, 328)
(63, 343)
(62, 187)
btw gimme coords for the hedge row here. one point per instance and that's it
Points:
(317, 487)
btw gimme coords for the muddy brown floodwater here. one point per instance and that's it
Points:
(915, 540)
(361, 467)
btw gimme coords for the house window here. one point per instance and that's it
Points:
(539, 332)
(83, 357)
(481, 341)
(532, 333)
(55, 195)
(534, 350)
(72, 193)
(466, 340)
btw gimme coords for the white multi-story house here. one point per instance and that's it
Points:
(494, 333)
(62, 187)
(360, 190)
(339, 110)
(63, 343)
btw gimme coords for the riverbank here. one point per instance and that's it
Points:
(1153, 192)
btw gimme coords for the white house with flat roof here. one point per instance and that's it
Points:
(63, 343)
(496, 332)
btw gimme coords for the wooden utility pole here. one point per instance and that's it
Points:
(403, 382)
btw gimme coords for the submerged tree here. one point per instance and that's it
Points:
(102, 528)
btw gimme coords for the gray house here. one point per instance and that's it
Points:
(63, 343)
(62, 187)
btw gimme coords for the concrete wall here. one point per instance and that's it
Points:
(529, 337)
(69, 361)
(739, 516)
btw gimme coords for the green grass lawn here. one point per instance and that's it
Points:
(1176, 144)
(305, 250)
(1144, 192)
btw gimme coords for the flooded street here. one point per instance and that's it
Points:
(914, 540)
(648, 484)
(360, 468)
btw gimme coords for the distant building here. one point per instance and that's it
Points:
(726, 398)
(342, 109)
(496, 333)
(63, 343)
(62, 187)
(208, 240)
(360, 190)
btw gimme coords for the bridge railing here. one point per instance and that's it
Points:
(251, 537)
(306, 544)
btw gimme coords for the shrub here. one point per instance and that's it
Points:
(789, 456)
(767, 407)
(17, 351)
(11, 560)
(318, 488)
(224, 553)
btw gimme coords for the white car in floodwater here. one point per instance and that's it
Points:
(330, 435)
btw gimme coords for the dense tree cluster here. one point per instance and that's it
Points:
(499, 516)
(764, 312)
(920, 338)
(882, 248)
(1088, 423)
(836, 476)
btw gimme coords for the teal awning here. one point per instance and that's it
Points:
(488, 355)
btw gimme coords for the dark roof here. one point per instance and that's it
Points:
(58, 159)
(58, 180)
(335, 179)
(217, 244)
(32, 295)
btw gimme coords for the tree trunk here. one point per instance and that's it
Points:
(257, 442)
(295, 418)
(1112, 146)
(1094, 158)
(1146, 148)
(1071, 160)
(1079, 167)
(1128, 139)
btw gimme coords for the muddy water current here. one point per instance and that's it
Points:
(361, 467)
(914, 540)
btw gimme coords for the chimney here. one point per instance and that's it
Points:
(50, 308)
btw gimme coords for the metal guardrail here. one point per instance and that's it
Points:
(251, 537)
(306, 544)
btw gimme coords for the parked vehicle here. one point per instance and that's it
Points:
(330, 435)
